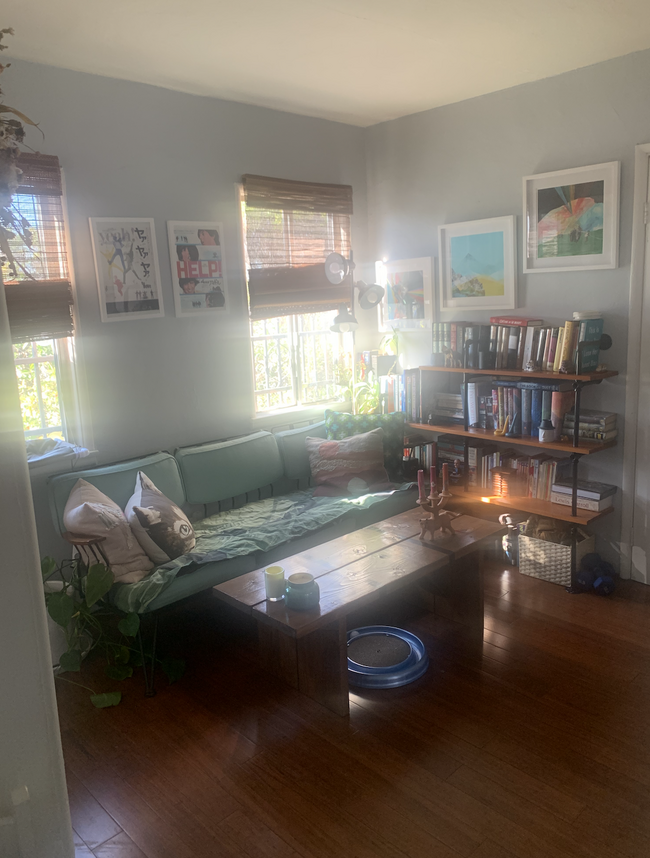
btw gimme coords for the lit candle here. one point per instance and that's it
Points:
(432, 480)
(421, 486)
(445, 476)
(274, 583)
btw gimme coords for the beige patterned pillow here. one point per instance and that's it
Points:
(88, 512)
(350, 466)
(161, 528)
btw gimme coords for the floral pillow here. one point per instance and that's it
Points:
(352, 466)
(340, 425)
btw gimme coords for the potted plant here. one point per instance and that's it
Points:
(78, 604)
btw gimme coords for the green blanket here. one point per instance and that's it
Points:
(256, 527)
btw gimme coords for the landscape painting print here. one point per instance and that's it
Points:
(478, 264)
(126, 265)
(197, 266)
(407, 303)
(570, 220)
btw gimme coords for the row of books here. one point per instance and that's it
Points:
(514, 343)
(522, 404)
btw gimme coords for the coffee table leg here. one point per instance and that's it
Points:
(323, 667)
(317, 664)
(456, 593)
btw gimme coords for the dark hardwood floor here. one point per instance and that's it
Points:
(533, 742)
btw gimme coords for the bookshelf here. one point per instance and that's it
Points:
(575, 447)
(584, 448)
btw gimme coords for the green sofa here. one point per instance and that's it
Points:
(208, 480)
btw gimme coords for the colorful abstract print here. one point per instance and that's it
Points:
(570, 220)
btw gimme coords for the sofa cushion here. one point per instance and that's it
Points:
(162, 528)
(226, 469)
(88, 512)
(350, 466)
(341, 425)
(294, 453)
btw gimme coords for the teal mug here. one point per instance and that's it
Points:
(302, 593)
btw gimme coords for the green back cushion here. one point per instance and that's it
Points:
(339, 425)
(214, 472)
(294, 453)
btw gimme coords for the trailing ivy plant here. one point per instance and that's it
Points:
(89, 621)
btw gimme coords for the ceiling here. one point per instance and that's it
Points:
(354, 61)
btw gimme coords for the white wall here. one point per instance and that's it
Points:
(466, 161)
(133, 150)
(33, 800)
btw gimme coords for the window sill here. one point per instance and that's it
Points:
(289, 417)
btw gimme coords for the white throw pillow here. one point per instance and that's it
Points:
(161, 528)
(88, 512)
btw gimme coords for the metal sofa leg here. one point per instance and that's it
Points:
(149, 671)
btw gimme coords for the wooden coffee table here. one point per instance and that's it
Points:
(308, 649)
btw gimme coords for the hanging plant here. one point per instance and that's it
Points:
(12, 136)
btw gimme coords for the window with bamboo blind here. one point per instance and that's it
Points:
(290, 228)
(39, 302)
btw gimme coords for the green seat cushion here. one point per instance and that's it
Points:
(340, 425)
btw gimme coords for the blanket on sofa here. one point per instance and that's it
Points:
(255, 527)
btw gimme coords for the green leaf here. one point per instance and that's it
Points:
(70, 661)
(48, 566)
(118, 671)
(60, 607)
(130, 625)
(123, 655)
(108, 698)
(173, 668)
(99, 581)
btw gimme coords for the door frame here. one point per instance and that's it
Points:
(633, 374)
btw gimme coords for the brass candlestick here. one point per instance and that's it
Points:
(439, 518)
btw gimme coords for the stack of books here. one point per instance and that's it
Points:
(535, 475)
(594, 425)
(592, 496)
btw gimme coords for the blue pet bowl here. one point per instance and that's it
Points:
(384, 657)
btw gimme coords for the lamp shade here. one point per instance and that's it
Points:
(344, 321)
(369, 296)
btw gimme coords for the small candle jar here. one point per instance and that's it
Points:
(303, 592)
(274, 583)
(546, 432)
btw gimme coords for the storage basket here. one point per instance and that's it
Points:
(550, 561)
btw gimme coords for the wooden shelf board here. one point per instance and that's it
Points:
(531, 505)
(584, 449)
(518, 373)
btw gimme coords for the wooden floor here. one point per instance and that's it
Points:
(533, 742)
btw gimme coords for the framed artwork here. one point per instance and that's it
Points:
(126, 266)
(198, 277)
(571, 219)
(478, 264)
(407, 304)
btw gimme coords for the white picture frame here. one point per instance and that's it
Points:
(407, 304)
(575, 209)
(198, 268)
(126, 268)
(478, 264)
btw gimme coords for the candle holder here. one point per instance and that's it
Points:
(439, 518)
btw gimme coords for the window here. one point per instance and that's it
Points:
(297, 360)
(39, 303)
(289, 230)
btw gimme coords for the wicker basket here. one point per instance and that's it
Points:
(550, 561)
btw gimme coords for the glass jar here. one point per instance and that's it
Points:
(303, 592)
